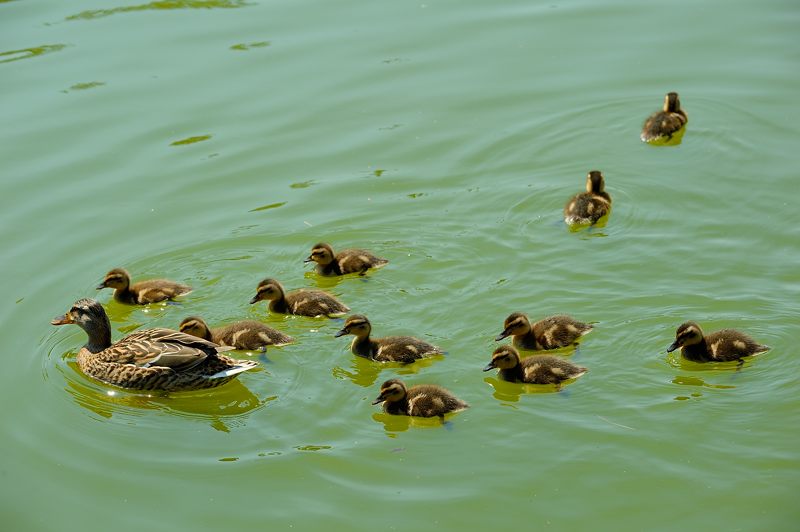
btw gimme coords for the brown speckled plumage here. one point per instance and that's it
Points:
(150, 359)
(249, 335)
(536, 369)
(719, 346)
(662, 125)
(403, 349)
(313, 303)
(423, 400)
(549, 333)
(143, 292)
(588, 207)
(344, 262)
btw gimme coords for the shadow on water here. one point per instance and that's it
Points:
(165, 5)
(222, 408)
(365, 372)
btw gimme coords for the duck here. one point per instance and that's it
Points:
(588, 207)
(346, 261)
(552, 332)
(662, 125)
(247, 335)
(423, 400)
(143, 292)
(536, 369)
(312, 303)
(405, 349)
(720, 346)
(149, 359)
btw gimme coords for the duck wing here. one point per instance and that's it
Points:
(162, 347)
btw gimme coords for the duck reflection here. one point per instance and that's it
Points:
(364, 372)
(512, 391)
(221, 407)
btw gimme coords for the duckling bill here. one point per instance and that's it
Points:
(143, 292)
(423, 400)
(149, 359)
(720, 346)
(404, 349)
(345, 261)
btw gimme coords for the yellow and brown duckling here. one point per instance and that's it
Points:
(150, 359)
(423, 400)
(405, 349)
(248, 335)
(720, 346)
(143, 292)
(346, 261)
(313, 303)
(588, 207)
(536, 369)
(662, 125)
(552, 332)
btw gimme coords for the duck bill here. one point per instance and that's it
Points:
(254, 300)
(489, 367)
(502, 335)
(308, 259)
(675, 345)
(378, 401)
(62, 320)
(100, 286)
(340, 333)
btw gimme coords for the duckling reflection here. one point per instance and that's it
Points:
(346, 261)
(143, 292)
(662, 126)
(552, 332)
(587, 208)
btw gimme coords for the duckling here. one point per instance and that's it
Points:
(405, 349)
(143, 292)
(423, 400)
(588, 207)
(313, 303)
(344, 262)
(661, 125)
(248, 335)
(719, 346)
(550, 333)
(150, 359)
(536, 369)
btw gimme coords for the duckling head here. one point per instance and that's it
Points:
(357, 325)
(89, 315)
(268, 289)
(688, 333)
(595, 182)
(504, 357)
(196, 326)
(322, 254)
(391, 390)
(671, 103)
(118, 278)
(516, 323)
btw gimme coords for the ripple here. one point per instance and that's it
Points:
(165, 5)
(27, 53)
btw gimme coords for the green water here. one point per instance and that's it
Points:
(215, 142)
